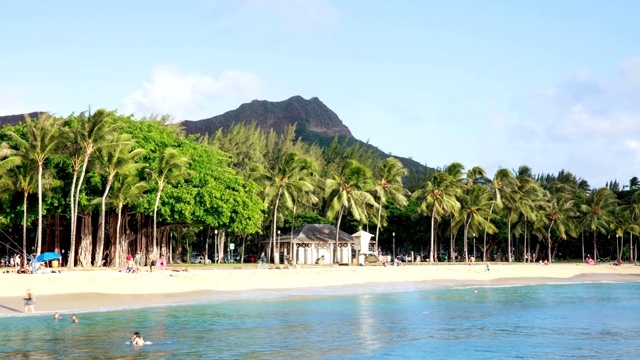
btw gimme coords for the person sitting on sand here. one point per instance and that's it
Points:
(131, 265)
(617, 263)
(137, 339)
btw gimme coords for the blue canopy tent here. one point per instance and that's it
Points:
(48, 256)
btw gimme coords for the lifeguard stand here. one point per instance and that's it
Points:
(361, 245)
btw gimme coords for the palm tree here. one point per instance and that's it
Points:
(557, 214)
(473, 176)
(293, 174)
(389, 186)
(597, 213)
(503, 182)
(634, 210)
(349, 191)
(8, 182)
(436, 199)
(171, 167)
(45, 136)
(475, 207)
(116, 159)
(89, 133)
(127, 188)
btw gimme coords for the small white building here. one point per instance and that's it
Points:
(314, 244)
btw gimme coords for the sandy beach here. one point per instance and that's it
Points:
(79, 290)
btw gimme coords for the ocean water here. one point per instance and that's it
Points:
(561, 321)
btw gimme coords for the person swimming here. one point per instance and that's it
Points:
(137, 339)
(74, 319)
(56, 316)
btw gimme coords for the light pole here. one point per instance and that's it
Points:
(215, 249)
(394, 245)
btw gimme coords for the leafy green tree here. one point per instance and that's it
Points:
(349, 191)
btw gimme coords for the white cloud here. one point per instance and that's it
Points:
(588, 125)
(191, 95)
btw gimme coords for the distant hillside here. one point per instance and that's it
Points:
(16, 119)
(315, 123)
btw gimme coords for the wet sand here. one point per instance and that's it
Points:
(83, 290)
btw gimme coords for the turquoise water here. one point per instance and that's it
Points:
(592, 321)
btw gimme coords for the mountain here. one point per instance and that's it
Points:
(16, 119)
(315, 123)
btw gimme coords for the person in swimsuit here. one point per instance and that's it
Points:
(74, 319)
(137, 339)
(29, 302)
(56, 316)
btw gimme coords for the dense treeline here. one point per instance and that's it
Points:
(100, 186)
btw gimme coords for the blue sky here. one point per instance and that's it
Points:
(549, 84)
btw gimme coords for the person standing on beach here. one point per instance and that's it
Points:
(152, 263)
(138, 258)
(29, 303)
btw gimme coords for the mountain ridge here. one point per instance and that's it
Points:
(315, 123)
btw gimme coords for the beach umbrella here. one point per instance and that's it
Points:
(48, 256)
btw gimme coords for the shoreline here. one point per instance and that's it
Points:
(108, 289)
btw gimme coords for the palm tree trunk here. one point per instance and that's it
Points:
(433, 220)
(155, 217)
(24, 231)
(631, 257)
(276, 257)
(582, 237)
(452, 255)
(509, 240)
(72, 245)
(39, 246)
(100, 244)
(378, 226)
(335, 250)
(595, 252)
(118, 245)
(75, 210)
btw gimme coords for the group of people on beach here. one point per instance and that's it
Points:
(133, 263)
